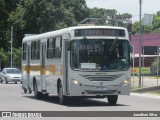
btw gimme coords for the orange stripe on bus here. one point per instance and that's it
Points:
(43, 71)
(50, 68)
(61, 70)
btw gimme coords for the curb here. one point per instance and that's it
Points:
(146, 89)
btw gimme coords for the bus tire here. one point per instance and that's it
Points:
(37, 94)
(30, 91)
(112, 99)
(45, 96)
(25, 90)
(61, 97)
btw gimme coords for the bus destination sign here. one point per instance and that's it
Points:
(99, 32)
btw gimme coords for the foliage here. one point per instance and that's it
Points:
(135, 27)
(35, 16)
(109, 17)
(156, 22)
(98, 13)
(5, 58)
(148, 29)
(6, 7)
(38, 16)
(17, 58)
(3, 55)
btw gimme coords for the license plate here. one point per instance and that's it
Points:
(101, 88)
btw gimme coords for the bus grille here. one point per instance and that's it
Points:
(101, 77)
(101, 92)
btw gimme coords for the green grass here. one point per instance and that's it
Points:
(155, 92)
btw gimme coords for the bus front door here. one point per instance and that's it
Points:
(65, 69)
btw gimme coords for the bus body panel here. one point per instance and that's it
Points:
(111, 86)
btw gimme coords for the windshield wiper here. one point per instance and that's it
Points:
(113, 44)
(122, 68)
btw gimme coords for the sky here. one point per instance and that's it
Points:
(127, 6)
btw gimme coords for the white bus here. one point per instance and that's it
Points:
(81, 61)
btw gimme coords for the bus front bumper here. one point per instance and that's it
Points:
(92, 90)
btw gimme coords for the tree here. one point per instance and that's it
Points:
(3, 58)
(156, 22)
(6, 6)
(148, 29)
(17, 58)
(35, 16)
(102, 14)
(109, 16)
(125, 16)
(3, 24)
(98, 13)
(77, 7)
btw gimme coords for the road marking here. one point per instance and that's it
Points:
(146, 95)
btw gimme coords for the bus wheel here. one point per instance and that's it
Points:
(60, 94)
(45, 96)
(30, 91)
(112, 99)
(25, 90)
(37, 94)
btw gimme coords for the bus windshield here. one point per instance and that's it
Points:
(100, 54)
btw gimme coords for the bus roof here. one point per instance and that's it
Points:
(64, 31)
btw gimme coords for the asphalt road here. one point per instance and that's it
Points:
(12, 98)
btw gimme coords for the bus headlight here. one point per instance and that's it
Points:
(75, 82)
(125, 82)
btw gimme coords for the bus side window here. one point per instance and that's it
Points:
(58, 47)
(35, 50)
(50, 48)
(24, 51)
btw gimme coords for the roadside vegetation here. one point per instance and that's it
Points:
(38, 16)
(155, 92)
